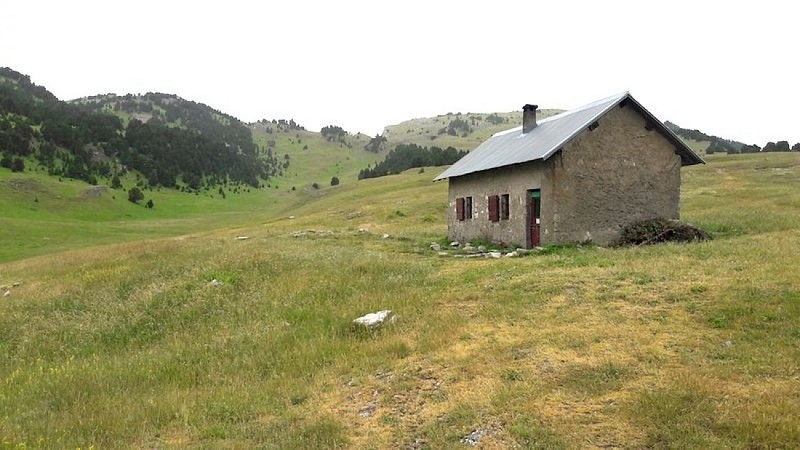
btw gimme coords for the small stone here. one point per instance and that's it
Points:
(215, 282)
(727, 343)
(442, 253)
(522, 251)
(510, 254)
(16, 284)
(363, 230)
(7, 294)
(435, 247)
(455, 244)
(291, 217)
(242, 238)
(385, 236)
(299, 234)
(495, 254)
(368, 410)
(375, 319)
(473, 438)
(482, 248)
(468, 248)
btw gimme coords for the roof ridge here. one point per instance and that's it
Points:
(568, 112)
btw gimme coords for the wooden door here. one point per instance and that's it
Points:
(534, 217)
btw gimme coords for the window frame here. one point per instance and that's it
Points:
(505, 207)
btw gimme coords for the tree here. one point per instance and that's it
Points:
(149, 204)
(334, 181)
(17, 165)
(796, 147)
(115, 182)
(135, 195)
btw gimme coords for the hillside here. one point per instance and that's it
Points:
(181, 144)
(665, 346)
(461, 131)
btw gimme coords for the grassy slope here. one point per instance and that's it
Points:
(421, 131)
(683, 346)
(321, 161)
(42, 215)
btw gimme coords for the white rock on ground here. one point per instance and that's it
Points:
(375, 319)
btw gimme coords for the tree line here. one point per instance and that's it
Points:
(182, 141)
(407, 156)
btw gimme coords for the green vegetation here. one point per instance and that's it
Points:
(178, 144)
(407, 156)
(461, 131)
(666, 346)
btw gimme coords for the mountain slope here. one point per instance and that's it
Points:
(181, 143)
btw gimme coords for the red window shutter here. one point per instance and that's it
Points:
(460, 208)
(494, 213)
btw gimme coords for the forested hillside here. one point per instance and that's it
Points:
(166, 140)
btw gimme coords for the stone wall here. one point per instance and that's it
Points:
(514, 181)
(619, 173)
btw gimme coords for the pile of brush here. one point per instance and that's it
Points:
(653, 231)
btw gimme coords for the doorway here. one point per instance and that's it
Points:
(534, 217)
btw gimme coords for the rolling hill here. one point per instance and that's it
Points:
(129, 344)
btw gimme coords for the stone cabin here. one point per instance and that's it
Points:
(578, 176)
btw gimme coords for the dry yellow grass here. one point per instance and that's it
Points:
(668, 346)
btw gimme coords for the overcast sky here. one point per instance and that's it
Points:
(727, 68)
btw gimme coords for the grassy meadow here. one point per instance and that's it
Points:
(127, 345)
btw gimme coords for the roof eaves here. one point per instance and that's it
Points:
(691, 156)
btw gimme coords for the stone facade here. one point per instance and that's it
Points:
(621, 171)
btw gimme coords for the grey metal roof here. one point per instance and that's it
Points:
(551, 134)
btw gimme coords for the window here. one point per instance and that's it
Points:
(494, 213)
(460, 208)
(504, 207)
(468, 208)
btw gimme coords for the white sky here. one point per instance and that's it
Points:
(727, 68)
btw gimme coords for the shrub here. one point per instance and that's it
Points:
(135, 195)
(653, 231)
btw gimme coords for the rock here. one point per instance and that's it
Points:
(455, 244)
(291, 217)
(539, 249)
(468, 248)
(482, 248)
(522, 251)
(385, 236)
(435, 247)
(368, 410)
(242, 238)
(510, 254)
(299, 234)
(7, 294)
(473, 438)
(16, 284)
(494, 254)
(215, 282)
(727, 343)
(375, 319)
(442, 253)
(363, 230)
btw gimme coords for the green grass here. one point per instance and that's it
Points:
(426, 131)
(666, 346)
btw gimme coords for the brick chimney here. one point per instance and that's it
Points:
(529, 117)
